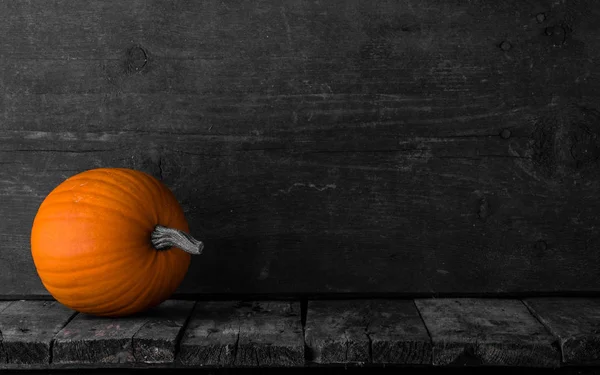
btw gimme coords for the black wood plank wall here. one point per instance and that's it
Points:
(403, 147)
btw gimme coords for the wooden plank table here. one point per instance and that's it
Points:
(487, 332)
(230, 333)
(375, 333)
(28, 329)
(576, 324)
(366, 331)
(148, 338)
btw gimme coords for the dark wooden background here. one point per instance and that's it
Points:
(321, 146)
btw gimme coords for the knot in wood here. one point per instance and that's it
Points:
(484, 208)
(556, 33)
(136, 59)
(566, 142)
(540, 17)
(541, 245)
(505, 46)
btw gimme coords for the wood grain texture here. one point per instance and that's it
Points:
(397, 333)
(576, 324)
(93, 340)
(4, 305)
(270, 335)
(366, 331)
(335, 332)
(320, 147)
(489, 332)
(211, 336)
(27, 329)
(158, 339)
(244, 334)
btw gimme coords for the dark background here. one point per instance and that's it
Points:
(320, 147)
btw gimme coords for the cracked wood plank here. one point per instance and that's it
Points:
(27, 329)
(487, 332)
(398, 334)
(366, 331)
(576, 324)
(247, 334)
(335, 332)
(156, 341)
(5, 304)
(321, 128)
(212, 335)
(270, 335)
(148, 337)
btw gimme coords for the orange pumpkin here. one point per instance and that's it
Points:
(111, 242)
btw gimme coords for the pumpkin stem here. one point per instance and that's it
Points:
(164, 238)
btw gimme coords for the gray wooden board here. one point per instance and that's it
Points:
(490, 332)
(270, 335)
(398, 334)
(211, 336)
(366, 331)
(147, 337)
(360, 143)
(576, 324)
(335, 332)
(157, 340)
(27, 329)
(4, 305)
(244, 334)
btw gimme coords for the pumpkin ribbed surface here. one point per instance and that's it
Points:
(91, 242)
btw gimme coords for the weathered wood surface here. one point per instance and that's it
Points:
(270, 335)
(157, 340)
(320, 147)
(185, 334)
(229, 333)
(27, 329)
(211, 336)
(335, 332)
(576, 324)
(150, 337)
(366, 331)
(489, 332)
(397, 333)
(4, 305)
